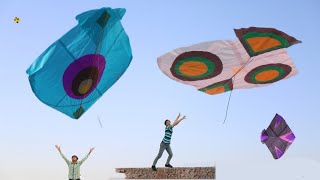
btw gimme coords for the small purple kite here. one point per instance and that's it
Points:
(278, 137)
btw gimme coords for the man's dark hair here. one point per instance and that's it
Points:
(75, 156)
(166, 121)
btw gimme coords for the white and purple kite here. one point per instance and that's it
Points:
(278, 136)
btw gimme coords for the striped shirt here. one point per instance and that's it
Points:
(168, 134)
(74, 169)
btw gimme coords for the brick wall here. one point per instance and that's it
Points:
(169, 173)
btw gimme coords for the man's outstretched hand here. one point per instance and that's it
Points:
(58, 147)
(91, 149)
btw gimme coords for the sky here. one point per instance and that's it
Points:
(133, 110)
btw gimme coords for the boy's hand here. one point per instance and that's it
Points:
(91, 149)
(58, 147)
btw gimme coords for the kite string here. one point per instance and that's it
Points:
(232, 79)
(228, 104)
(242, 67)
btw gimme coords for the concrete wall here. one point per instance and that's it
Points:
(169, 173)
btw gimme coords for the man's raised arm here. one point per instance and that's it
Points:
(65, 159)
(177, 121)
(86, 157)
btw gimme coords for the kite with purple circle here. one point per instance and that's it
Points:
(77, 69)
(278, 137)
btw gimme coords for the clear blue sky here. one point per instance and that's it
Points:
(133, 110)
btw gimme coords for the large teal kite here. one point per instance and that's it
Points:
(74, 72)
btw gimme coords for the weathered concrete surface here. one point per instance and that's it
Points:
(169, 173)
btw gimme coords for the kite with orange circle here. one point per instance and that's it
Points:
(257, 58)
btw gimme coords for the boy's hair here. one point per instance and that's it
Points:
(75, 156)
(166, 121)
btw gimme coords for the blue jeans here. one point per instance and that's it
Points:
(163, 146)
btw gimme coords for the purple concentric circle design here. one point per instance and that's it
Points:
(83, 75)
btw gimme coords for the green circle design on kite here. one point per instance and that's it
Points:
(269, 73)
(205, 67)
(219, 87)
(265, 45)
(196, 65)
